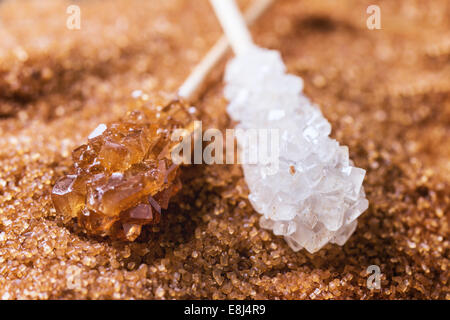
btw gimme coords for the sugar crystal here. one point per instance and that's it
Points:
(317, 194)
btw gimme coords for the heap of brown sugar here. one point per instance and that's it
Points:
(386, 93)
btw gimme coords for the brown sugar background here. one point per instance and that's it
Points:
(386, 93)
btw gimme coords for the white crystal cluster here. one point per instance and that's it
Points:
(316, 194)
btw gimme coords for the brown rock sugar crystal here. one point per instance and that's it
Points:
(385, 92)
(124, 175)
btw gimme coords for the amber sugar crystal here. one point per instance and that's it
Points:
(124, 176)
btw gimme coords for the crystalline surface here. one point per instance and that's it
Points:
(124, 176)
(316, 194)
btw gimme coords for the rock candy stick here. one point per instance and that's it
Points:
(316, 193)
(124, 176)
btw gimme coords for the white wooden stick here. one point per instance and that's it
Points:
(233, 24)
(198, 75)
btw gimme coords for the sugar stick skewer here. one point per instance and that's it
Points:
(191, 85)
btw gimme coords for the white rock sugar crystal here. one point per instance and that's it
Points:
(316, 194)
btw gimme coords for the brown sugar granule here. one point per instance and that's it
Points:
(124, 175)
(385, 92)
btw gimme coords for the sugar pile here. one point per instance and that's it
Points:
(316, 194)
